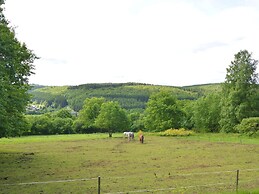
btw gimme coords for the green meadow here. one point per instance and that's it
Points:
(204, 163)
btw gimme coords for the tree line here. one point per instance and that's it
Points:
(234, 108)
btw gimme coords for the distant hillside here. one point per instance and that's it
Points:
(129, 95)
(203, 89)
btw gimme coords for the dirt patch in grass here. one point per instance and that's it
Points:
(94, 164)
(25, 157)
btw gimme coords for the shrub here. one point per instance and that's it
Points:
(41, 125)
(176, 132)
(249, 126)
(140, 132)
(62, 126)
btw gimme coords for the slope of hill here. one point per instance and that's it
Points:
(203, 89)
(129, 95)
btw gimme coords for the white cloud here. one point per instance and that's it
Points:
(158, 42)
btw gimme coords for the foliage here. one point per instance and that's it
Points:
(50, 101)
(187, 106)
(62, 126)
(16, 65)
(60, 102)
(99, 115)
(131, 96)
(140, 132)
(136, 121)
(239, 90)
(129, 93)
(41, 125)
(112, 118)
(249, 126)
(176, 132)
(64, 113)
(206, 114)
(204, 89)
(60, 122)
(162, 112)
(88, 114)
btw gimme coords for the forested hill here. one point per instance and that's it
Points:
(129, 95)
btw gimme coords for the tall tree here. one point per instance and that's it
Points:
(239, 91)
(206, 114)
(112, 118)
(89, 112)
(162, 112)
(16, 65)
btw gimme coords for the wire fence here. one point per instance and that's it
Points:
(234, 182)
(54, 181)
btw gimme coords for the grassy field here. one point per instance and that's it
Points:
(197, 164)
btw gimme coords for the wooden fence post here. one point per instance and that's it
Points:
(99, 185)
(237, 181)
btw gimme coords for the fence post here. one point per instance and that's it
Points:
(237, 181)
(99, 185)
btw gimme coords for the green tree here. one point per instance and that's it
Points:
(238, 91)
(206, 114)
(42, 125)
(136, 120)
(62, 126)
(162, 112)
(64, 113)
(16, 65)
(89, 112)
(249, 126)
(60, 102)
(112, 118)
(187, 106)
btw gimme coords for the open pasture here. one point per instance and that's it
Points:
(205, 164)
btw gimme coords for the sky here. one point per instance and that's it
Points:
(161, 42)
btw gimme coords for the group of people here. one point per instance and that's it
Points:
(130, 136)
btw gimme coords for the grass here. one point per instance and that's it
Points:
(53, 138)
(55, 90)
(160, 165)
(224, 137)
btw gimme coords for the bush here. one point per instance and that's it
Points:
(249, 126)
(176, 132)
(48, 124)
(41, 125)
(140, 132)
(62, 126)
